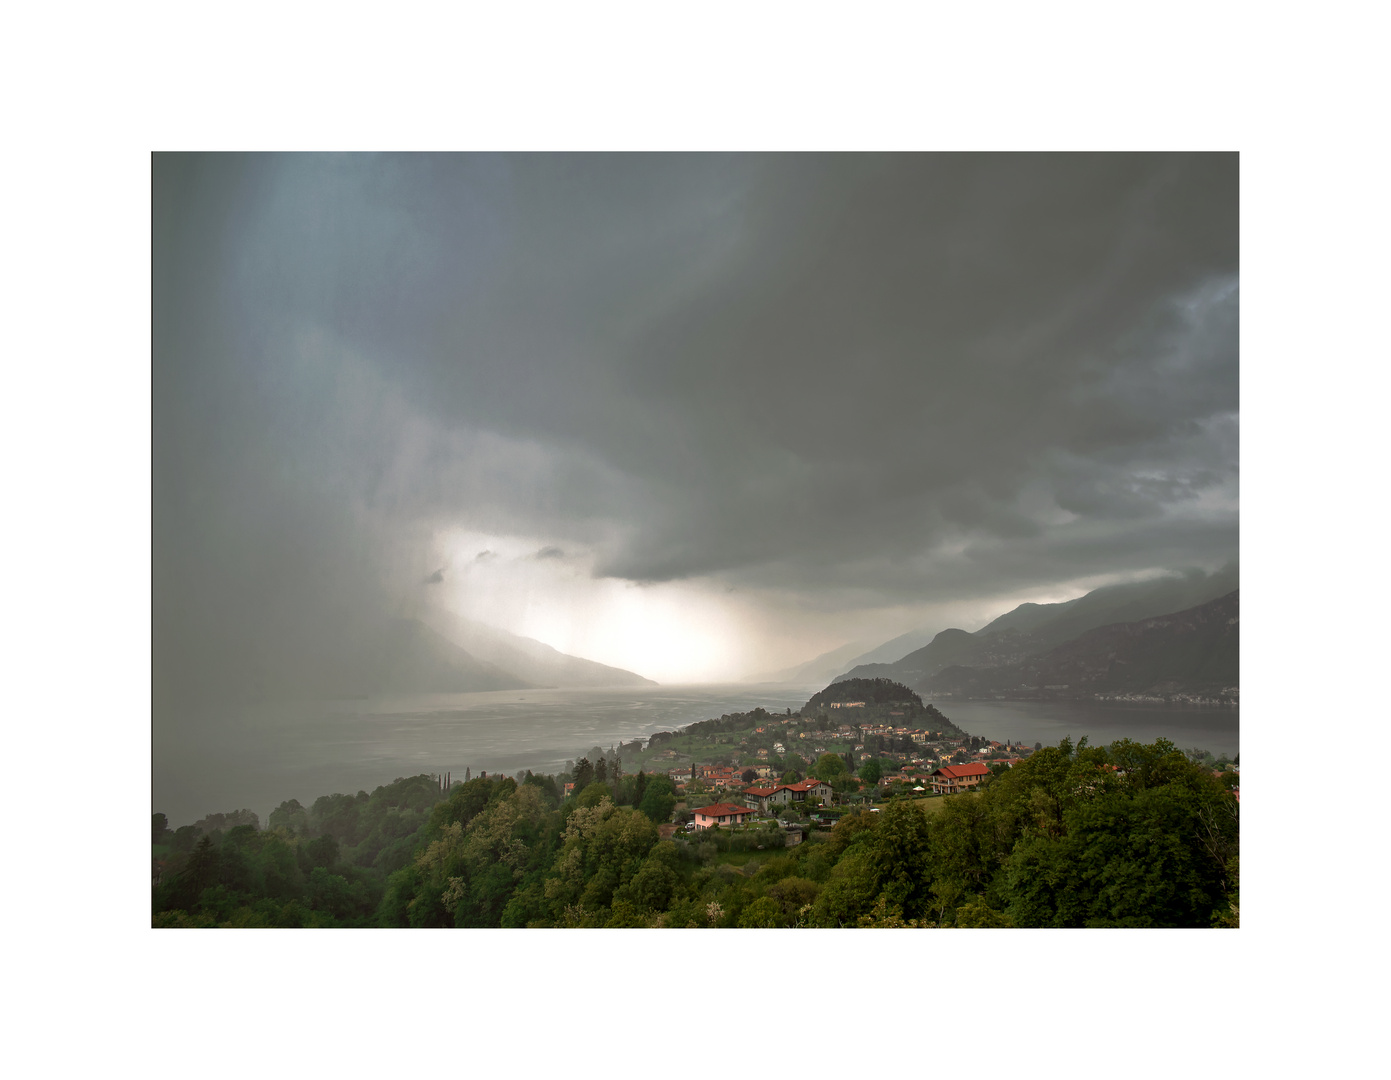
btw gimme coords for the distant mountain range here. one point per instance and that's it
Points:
(1031, 630)
(1192, 654)
(407, 656)
(524, 658)
(440, 653)
(895, 648)
(818, 669)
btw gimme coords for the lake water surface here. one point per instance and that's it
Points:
(257, 756)
(1213, 729)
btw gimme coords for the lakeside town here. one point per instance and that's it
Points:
(812, 766)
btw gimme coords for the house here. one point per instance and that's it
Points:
(707, 817)
(760, 798)
(810, 786)
(950, 779)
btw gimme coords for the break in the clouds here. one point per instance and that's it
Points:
(844, 393)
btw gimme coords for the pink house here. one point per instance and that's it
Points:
(720, 814)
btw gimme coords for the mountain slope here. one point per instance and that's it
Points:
(1052, 624)
(818, 669)
(1188, 654)
(526, 658)
(894, 649)
(1031, 629)
(406, 656)
(948, 648)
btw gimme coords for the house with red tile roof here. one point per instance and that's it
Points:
(760, 798)
(950, 779)
(707, 817)
(810, 786)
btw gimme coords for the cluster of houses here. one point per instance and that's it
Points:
(945, 780)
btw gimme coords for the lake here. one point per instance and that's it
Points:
(1213, 729)
(256, 756)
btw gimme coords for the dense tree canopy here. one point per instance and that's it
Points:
(1129, 835)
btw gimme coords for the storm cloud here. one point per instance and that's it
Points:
(828, 383)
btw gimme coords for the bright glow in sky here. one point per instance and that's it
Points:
(674, 632)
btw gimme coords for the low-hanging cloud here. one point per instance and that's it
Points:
(845, 380)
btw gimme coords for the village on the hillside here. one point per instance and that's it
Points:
(806, 769)
(809, 770)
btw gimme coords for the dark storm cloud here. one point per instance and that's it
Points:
(861, 376)
(437, 578)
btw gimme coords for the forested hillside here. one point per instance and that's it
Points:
(1130, 835)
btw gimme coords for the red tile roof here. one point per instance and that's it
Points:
(722, 810)
(763, 792)
(956, 772)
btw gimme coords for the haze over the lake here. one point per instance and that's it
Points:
(694, 416)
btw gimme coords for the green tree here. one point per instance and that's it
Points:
(830, 767)
(900, 853)
(200, 871)
(594, 794)
(279, 869)
(289, 815)
(763, 913)
(658, 799)
(870, 771)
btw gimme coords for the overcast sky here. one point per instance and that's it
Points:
(696, 416)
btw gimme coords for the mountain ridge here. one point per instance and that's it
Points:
(1192, 655)
(526, 658)
(1029, 629)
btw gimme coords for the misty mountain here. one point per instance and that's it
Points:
(894, 649)
(818, 669)
(1194, 652)
(1056, 623)
(1031, 629)
(406, 656)
(950, 647)
(525, 658)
